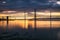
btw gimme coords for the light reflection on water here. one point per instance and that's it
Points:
(27, 23)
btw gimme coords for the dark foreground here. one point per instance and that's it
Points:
(30, 34)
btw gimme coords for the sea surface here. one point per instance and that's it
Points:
(25, 23)
(30, 29)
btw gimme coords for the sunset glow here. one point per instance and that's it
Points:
(25, 23)
(22, 15)
(30, 19)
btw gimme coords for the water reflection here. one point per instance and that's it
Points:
(27, 23)
(55, 24)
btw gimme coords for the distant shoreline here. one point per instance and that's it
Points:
(39, 19)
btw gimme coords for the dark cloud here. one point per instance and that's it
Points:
(17, 4)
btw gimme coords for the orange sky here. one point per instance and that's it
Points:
(39, 24)
(31, 15)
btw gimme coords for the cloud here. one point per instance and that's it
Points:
(16, 4)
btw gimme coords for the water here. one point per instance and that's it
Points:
(25, 23)
(25, 29)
